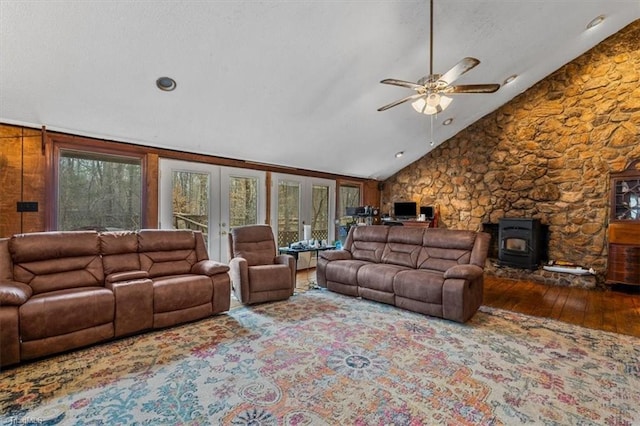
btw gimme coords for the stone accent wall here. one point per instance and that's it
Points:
(546, 154)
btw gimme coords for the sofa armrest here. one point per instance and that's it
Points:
(14, 293)
(284, 259)
(465, 272)
(290, 261)
(239, 274)
(335, 255)
(209, 267)
(126, 276)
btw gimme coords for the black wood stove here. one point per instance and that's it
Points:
(520, 242)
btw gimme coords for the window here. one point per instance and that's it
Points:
(288, 228)
(348, 196)
(301, 201)
(191, 201)
(320, 212)
(243, 201)
(98, 191)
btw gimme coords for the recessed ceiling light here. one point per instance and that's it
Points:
(166, 84)
(510, 78)
(447, 121)
(595, 22)
(399, 154)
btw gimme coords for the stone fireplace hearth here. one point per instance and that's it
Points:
(541, 276)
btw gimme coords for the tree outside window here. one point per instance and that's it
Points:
(98, 191)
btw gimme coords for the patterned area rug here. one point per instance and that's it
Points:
(322, 358)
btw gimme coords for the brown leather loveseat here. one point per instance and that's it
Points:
(64, 290)
(433, 271)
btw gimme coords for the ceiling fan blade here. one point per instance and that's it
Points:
(400, 101)
(473, 88)
(402, 83)
(458, 69)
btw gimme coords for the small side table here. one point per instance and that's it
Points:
(296, 251)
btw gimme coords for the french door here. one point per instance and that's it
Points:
(299, 201)
(211, 199)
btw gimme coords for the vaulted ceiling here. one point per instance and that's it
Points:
(289, 83)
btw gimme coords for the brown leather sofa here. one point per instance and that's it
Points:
(437, 272)
(64, 290)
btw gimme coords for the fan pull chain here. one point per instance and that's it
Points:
(431, 118)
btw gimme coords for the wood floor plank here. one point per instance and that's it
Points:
(558, 305)
(574, 307)
(548, 301)
(593, 315)
(609, 302)
(626, 315)
(615, 309)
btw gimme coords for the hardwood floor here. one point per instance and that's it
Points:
(616, 309)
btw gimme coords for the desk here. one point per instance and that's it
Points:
(296, 251)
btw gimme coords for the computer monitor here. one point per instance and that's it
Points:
(427, 211)
(405, 209)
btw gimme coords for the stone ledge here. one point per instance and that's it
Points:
(541, 276)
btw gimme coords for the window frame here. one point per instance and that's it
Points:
(91, 147)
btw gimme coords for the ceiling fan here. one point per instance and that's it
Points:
(431, 89)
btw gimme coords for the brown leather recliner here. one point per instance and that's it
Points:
(258, 273)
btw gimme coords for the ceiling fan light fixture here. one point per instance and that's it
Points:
(433, 103)
(595, 22)
(510, 79)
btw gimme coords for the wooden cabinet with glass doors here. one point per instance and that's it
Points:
(623, 265)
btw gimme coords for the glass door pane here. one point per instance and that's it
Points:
(348, 196)
(190, 201)
(187, 201)
(288, 213)
(320, 212)
(243, 201)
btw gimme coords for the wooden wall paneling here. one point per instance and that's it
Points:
(152, 179)
(371, 196)
(33, 182)
(22, 168)
(10, 176)
(268, 183)
(38, 175)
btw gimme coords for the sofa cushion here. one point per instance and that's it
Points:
(166, 252)
(443, 249)
(378, 276)
(344, 271)
(50, 261)
(59, 274)
(171, 293)
(254, 243)
(425, 286)
(403, 246)
(166, 239)
(119, 251)
(65, 311)
(368, 243)
(53, 245)
(269, 277)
